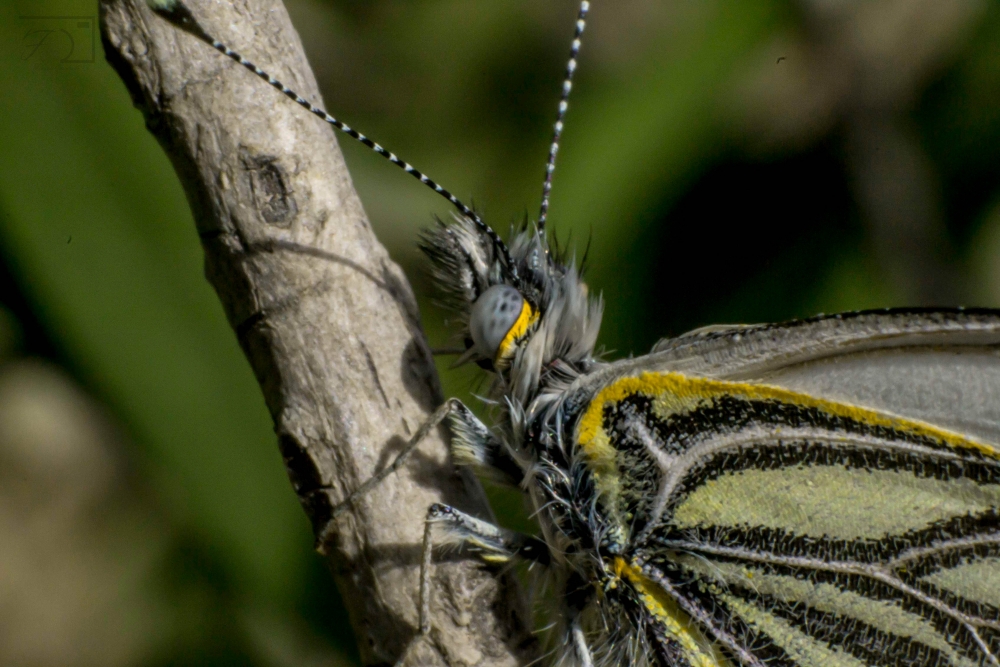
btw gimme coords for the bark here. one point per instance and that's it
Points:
(326, 319)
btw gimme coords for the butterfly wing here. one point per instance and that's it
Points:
(942, 367)
(811, 494)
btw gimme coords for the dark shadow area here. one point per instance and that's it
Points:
(748, 242)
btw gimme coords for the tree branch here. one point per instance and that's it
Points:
(326, 319)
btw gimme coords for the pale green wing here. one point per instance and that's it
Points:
(824, 493)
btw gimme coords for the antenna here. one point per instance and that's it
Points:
(175, 12)
(550, 166)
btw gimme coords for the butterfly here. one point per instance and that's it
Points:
(819, 492)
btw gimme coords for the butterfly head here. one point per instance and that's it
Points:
(524, 309)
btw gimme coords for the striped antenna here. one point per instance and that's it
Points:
(550, 166)
(175, 12)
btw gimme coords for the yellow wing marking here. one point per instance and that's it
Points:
(675, 393)
(516, 332)
(677, 625)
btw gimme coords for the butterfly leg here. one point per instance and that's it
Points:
(453, 527)
(579, 643)
(439, 415)
(578, 594)
(491, 543)
(474, 445)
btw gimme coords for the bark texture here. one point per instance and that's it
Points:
(326, 319)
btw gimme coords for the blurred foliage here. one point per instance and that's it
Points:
(723, 162)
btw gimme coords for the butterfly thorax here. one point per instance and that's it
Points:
(528, 317)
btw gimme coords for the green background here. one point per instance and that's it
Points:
(724, 161)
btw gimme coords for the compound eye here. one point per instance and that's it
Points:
(493, 315)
